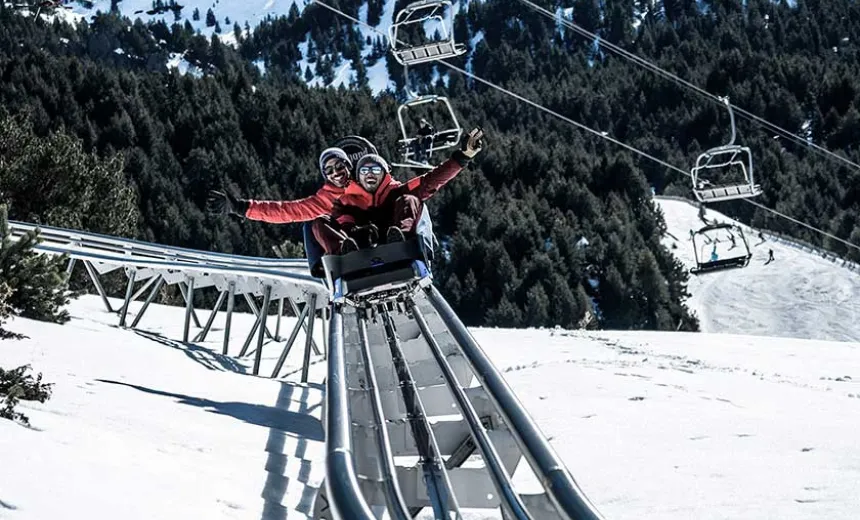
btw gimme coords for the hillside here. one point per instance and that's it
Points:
(653, 425)
(798, 295)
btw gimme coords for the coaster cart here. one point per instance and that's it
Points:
(708, 186)
(376, 275)
(707, 236)
(418, 13)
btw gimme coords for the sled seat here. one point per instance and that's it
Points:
(382, 268)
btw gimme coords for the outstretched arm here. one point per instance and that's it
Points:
(428, 184)
(287, 211)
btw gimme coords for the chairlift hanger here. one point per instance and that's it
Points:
(705, 265)
(419, 12)
(441, 139)
(723, 157)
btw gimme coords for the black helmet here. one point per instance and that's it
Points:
(355, 147)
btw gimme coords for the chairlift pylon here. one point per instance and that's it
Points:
(726, 157)
(420, 12)
(708, 263)
(416, 150)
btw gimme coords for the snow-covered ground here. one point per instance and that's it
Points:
(143, 426)
(653, 425)
(799, 294)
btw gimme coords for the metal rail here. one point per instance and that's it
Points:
(396, 506)
(84, 239)
(439, 486)
(342, 486)
(559, 484)
(511, 501)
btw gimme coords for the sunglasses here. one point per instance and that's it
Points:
(365, 170)
(330, 170)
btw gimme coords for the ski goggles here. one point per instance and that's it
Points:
(336, 167)
(367, 170)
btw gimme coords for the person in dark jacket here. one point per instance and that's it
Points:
(377, 199)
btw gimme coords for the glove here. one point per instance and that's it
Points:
(222, 203)
(473, 143)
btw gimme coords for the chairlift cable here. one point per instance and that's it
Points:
(668, 75)
(602, 135)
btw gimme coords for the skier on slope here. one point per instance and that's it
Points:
(377, 199)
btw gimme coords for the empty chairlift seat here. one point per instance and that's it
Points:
(423, 52)
(725, 172)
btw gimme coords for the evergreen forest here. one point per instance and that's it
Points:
(116, 142)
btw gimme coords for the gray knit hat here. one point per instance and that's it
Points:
(328, 153)
(372, 158)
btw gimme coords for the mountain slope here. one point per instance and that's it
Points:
(653, 425)
(799, 294)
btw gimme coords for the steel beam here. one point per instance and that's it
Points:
(264, 311)
(189, 308)
(128, 292)
(293, 335)
(231, 300)
(202, 335)
(309, 335)
(95, 278)
(149, 299)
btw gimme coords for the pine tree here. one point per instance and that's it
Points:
(37, 281)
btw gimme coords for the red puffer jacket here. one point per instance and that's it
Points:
(358, 207)
(301, 210)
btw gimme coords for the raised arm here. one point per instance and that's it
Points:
(425, 186)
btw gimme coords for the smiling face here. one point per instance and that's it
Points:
(336, 172)
(370, 176)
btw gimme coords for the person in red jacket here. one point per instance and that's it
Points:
(335, 167)
(377, 199)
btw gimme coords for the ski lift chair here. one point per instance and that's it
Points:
(705, 264)
(441, 138)
(722, 158)
(418, 13)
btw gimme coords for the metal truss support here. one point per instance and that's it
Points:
(189, 295)
(128, 293)
(189, 308)
(278, 322)
(95, 278)
(144, 288)
(202, 335)
(256, 312)
(292, 339)
(324, 313)
(309, 335)
(296, 312)
(264, 311)
(152, 294)
(71, 267)
(231, 301)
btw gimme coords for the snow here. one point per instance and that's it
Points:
(177, 61)
(798, 295)
(652, 424)
(251, 11)
(141, 426)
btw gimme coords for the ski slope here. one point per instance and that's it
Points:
(798, 295)
(653, 425)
